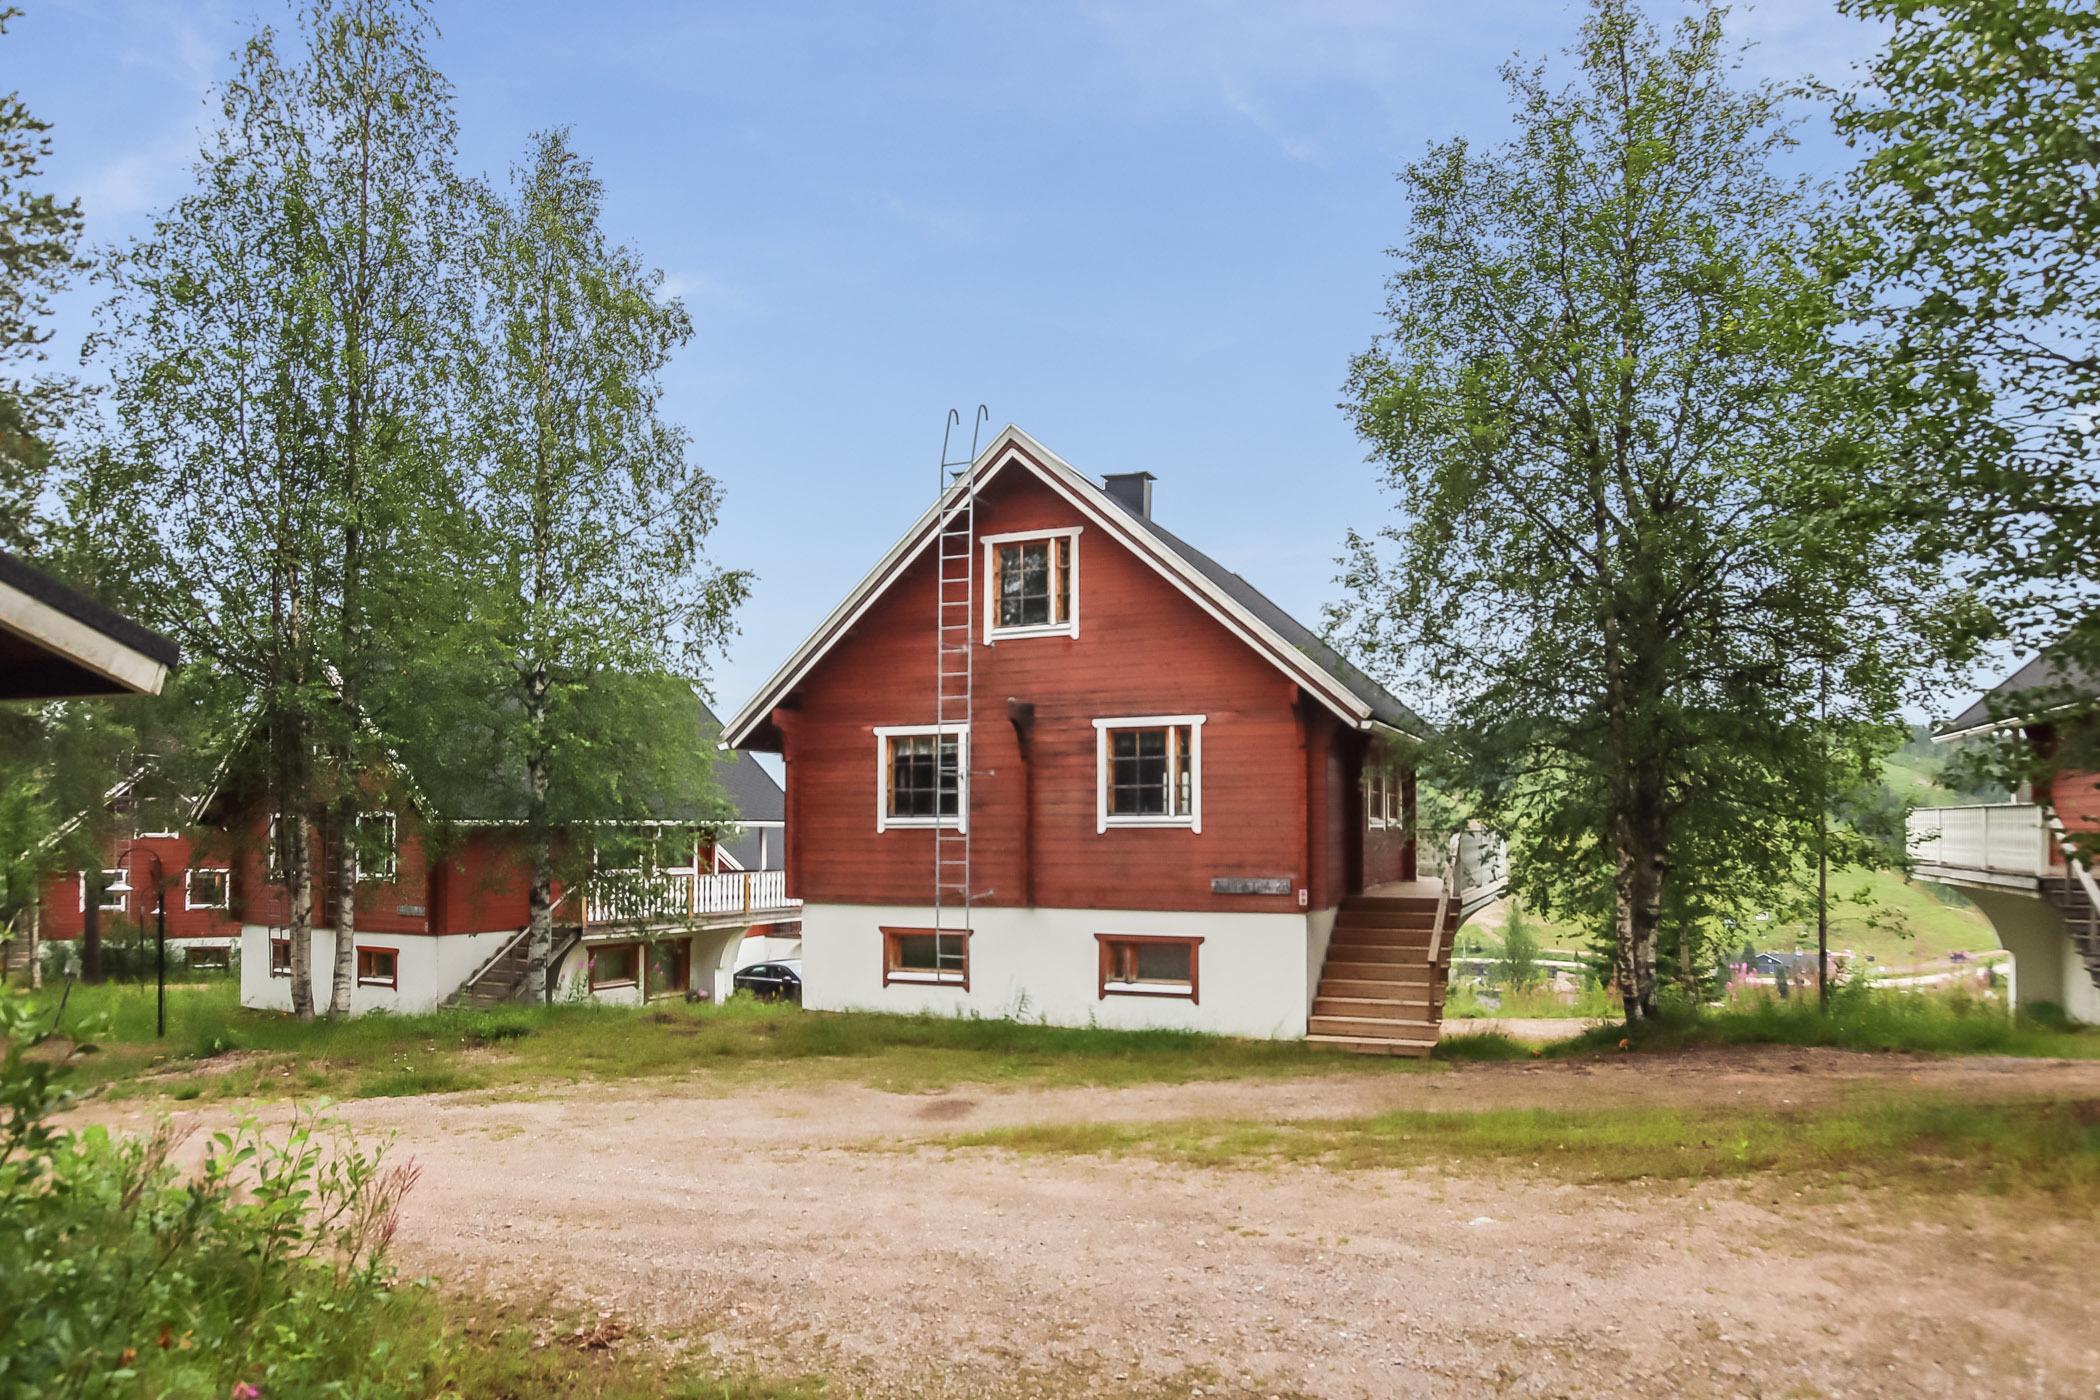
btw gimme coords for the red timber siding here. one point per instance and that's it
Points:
(61, 913)
(2076, 798)
(401, 906)
(1143, 649)
(484, 885)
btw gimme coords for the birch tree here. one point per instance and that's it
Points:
(592, 520)
(277, 367)
(1607, 403)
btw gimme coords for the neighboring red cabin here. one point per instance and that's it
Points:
(198, 889)
(1156, 766)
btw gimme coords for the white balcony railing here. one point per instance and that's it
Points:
(637, 896)
(2003, 838)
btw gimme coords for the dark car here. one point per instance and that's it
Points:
(771, 981)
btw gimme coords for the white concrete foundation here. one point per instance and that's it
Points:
(429, 968)
(2046, 966)
(1255, 972)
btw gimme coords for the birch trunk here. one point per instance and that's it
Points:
(345, 878)
(539, 938)
(299, 884)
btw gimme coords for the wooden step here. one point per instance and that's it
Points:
(1415, 938)
(1375, 1027)
(1384, 917)
(1417, 972)
(1379, 953)
(1367, 1045)
(1421, 1004)
(1372, 989)
(1367, 901)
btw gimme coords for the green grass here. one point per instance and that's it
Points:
(217, 1050)
(2047, 1146)
(1529, 1003)
(1860, 1018)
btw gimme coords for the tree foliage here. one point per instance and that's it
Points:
(1973, 234)
(1608, 401)
(39, 235)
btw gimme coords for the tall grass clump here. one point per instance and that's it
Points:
(1860, 1018)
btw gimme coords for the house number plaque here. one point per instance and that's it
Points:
(1250, 884)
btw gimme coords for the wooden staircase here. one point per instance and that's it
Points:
(1381, 992)
(502, 978)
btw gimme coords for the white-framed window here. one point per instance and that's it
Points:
(1031, 584)
(207, 887)
(1148, 771)
(116, 891)
(922, 776)
(378, 847)
(1384, 802)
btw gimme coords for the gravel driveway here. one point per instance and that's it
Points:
(764, 1225)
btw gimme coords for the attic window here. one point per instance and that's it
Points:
(1033, 584)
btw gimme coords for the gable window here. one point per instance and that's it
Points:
(1033, 584)
(205, 887)
(378, 967)
(378, 855)
(1148, 965)
(922, 776)
(922, 955)
(1149, 771)
(116, 891)
(280, 957)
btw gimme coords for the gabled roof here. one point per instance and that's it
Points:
(2046, 675)
(1286, 643)
(56, 642)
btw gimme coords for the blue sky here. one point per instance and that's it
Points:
(1149, 234)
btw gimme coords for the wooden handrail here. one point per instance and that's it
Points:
(1443, 895)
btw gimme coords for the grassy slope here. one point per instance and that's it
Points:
(1874, 913)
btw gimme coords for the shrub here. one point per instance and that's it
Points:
(122, 1275)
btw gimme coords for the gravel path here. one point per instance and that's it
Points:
(763, 1223)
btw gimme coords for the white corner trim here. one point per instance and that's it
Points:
(883, 820)
(1069, 627)
(1194, 820)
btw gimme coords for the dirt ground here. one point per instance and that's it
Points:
(761, 1226)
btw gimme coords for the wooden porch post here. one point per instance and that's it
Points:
(1409, 867)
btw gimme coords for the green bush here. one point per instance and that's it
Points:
(265, 1266)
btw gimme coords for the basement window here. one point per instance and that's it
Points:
(922, 955)
(378, 967)
(921, 776)
(280, 957)
(1148, 965)
(1149, 771)
(1034, 584)
(206, 887)
(615, 965)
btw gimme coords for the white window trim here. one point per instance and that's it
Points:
(886, 732)
(1194, 820)
(225, 901)
(1069, 627)
(393, 864)
(1374, 798)
(121, 887)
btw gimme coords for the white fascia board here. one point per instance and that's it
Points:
(1080, 493)
(87, 647)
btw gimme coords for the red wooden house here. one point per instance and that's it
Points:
(1049, 760)
(441, 914)
(2027, 864)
